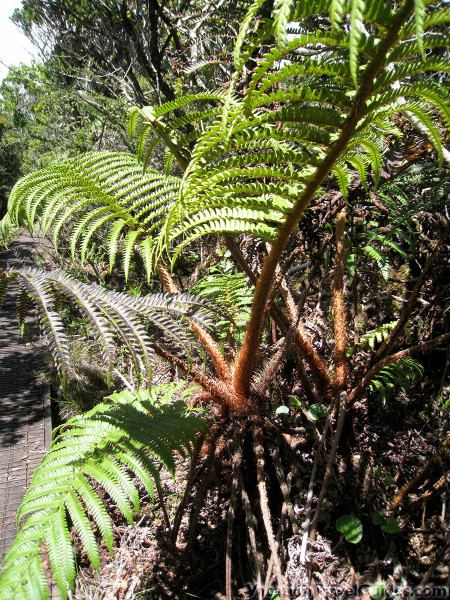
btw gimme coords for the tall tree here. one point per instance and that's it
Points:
(137, 46)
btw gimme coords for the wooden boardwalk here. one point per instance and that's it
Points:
(25, 413)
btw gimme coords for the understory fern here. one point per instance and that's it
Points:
(398, 376)
(116, 441)
(377, 336)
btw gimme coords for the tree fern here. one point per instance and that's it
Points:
(124, 434)
(218, 161)
(312, 115)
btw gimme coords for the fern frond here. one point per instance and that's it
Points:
(254, 7)
(39, 290)
(231, 293)
(111, 314)
(5, 280)
(103, 194)
(402, 374)
(153, 125)
(283, 12)
(356, 31)
(102, 444)
(380, 259)
(377, 336)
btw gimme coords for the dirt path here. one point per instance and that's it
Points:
(25, 416)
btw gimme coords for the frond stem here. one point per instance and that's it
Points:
(358, 391)
(245, 361)
(220, 364)
(340, 347)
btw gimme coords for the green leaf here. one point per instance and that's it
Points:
(317, 411)
(378, 517)
(351, 528)
(391, 525)
(282, 411)
(295, 401)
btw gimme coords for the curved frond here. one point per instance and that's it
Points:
(110, 315)
(127, 432)
(285, 129)
(98, 195)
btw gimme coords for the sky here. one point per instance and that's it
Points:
(15, 48)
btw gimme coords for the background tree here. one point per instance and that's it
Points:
(148, 50)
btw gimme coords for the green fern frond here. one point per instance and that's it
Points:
(223, 58)
(126, 433)
(342, 174)
(336, 13)
(155, 125)
(398, 375)
(433, 132)
(373, 147)
(400, 71)
(377, 336)
(231, 293)
(283, 12)
(419, 15)
(410, 48)
(22, 308)
(306, 84)
(254, 7)
(356, 32)
(155, 113)
(39, 290)
(98, 194)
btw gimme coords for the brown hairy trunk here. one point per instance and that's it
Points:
(220, 364)
(219, 392)
(166, 279)
(303, 342)
(245, 360)
(340, 347)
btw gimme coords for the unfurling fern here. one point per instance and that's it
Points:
(110, 314)
(123, 435)
(400, 375)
